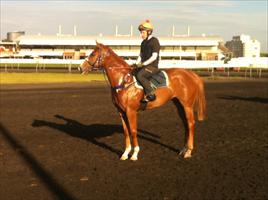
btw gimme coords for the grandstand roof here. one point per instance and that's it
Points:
(116, 40)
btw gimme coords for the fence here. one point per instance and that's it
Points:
(247, 64)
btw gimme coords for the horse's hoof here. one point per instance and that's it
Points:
(124, 157)
(186, 153)
(134, 158)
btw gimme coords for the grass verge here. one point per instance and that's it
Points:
(36, 78)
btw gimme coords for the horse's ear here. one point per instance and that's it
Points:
(97, 44)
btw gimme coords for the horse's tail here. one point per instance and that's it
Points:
(201, 101)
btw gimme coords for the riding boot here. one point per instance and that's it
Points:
(149, 97)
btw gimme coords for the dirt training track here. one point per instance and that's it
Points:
(64, 142)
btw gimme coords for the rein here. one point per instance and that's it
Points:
(119, 68)
(121, 86)
(97, 64)
(104, 75)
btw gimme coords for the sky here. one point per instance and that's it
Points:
(225, 18)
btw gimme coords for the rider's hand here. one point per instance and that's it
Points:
(133, 66)
(139, 65)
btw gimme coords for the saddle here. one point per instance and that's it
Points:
(158, 80)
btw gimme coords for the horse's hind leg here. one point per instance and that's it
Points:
(187, 116)
(186, 152)
(127, 139)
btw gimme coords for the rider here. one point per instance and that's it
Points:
(147, 61)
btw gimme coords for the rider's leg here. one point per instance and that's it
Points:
(143, 76)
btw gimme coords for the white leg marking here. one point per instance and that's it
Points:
(125, 154)
(188, 154)
(185, 152)
(135, 153)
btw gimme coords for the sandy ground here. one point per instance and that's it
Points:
(63, 141)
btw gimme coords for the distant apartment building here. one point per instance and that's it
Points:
(244, 46)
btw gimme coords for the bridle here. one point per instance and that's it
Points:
(97, 63)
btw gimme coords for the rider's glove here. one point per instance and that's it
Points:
(133, 66)
(139, 65)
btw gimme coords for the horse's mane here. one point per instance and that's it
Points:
(118, 58)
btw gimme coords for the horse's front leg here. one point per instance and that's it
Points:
(132, 122)
(127, 139)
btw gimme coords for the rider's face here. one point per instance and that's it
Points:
(143, 34)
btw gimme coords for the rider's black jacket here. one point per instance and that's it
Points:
(148, 47)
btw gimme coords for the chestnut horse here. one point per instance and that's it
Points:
(184, 87)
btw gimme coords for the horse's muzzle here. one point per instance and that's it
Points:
(80, 69)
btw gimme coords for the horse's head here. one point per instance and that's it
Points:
(95, 59)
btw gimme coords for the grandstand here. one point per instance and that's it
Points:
(77, 47)
(177, 51)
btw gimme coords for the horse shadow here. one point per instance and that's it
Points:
(94, 132)
(251, 99)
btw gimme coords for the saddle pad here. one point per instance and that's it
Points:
(157, 80)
